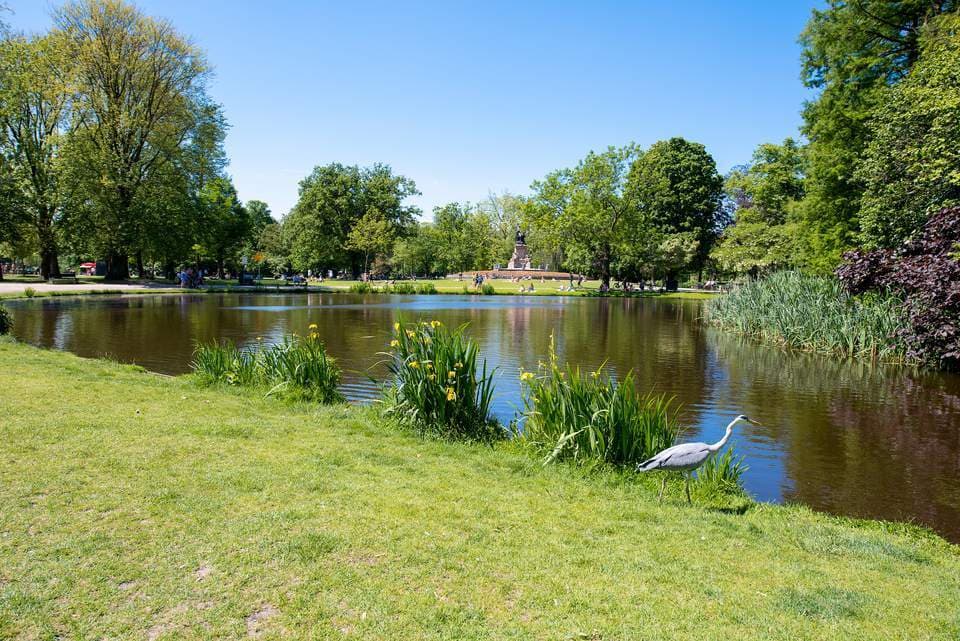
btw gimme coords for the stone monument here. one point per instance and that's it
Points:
(521, 255)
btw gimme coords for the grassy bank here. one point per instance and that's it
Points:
(506, 287)
(138, 506)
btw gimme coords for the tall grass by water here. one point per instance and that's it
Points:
(439, 384)
(813, 313)
(592, 418)
(297, 368)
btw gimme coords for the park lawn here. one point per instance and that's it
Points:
(136, 506)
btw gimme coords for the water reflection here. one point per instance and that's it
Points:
(848, 438)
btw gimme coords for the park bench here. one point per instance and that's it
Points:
(65, 278)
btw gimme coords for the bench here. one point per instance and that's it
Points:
(65, 278)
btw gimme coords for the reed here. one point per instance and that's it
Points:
(439, 384)
(813, 313)
(592, 418)
(361, 288)
(722, 474)
(426, 288)
(297, 368)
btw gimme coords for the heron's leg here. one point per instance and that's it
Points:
(686, 477)
(663, 484)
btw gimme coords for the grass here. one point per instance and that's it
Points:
(439, 384)
(592, 418)
(297, 368)
(137, 506)
(813, 313)
(495, 287)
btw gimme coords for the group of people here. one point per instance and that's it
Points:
(190, 279)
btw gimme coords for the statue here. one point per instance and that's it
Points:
(521, 237)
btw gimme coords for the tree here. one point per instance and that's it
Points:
(34, 109)
(911, 167)
(225, 222)
(371, 235)
(676, 188)
(587, 209)
(260, 216)
(140, 99)
(763, 196)
(852, 51)
(333, 199)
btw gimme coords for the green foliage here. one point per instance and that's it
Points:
(590, 418)
(29, 292)
(361, 287)
(813, 313)
(912, 164)
(426, 288)
(677, 189)
(297, 368)
(721, 474)
(439, 386)
(6, 322)
(487, 289)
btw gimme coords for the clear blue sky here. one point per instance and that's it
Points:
(466, 98)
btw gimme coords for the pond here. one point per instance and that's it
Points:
(847, 438)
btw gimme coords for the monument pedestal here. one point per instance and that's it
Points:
(520, 258)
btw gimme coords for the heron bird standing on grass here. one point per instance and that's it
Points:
(687, 457)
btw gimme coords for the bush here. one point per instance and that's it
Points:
(926, 273)
(6, 322)
(297, 368)
(361, 288)
(487, 289)
(426, 288)
(401, 288)
(438, 385)
(722, 474)
(29, 292)
(814, 313)
(590, 418)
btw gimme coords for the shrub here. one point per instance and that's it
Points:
(722, 474)
(426, 288)
(438, 384)
(401, 288)
(6, 323)
(925, 271)
(591, 418)
(29, 292)
(814, 313)
(487, 289)
(361, 288)
(297, 368)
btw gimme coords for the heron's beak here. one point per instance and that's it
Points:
(750, 420)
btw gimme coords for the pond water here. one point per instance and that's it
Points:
(848, 438)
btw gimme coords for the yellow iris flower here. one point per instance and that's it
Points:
(451, 394)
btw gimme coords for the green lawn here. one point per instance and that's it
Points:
(136, 506)
(547, 288)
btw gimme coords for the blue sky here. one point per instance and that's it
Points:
(468, 98)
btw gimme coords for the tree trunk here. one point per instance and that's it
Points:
(49, 263)
(140, 274)
(219, 268)
(605, 265)
(118, 267)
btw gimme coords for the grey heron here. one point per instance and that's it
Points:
(686, 457)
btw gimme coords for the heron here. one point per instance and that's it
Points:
(686, 457)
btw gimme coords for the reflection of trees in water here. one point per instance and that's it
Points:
(859, 439)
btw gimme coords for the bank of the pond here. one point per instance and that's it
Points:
(139, 506)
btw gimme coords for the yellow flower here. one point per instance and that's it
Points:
(435, 324)
(312, 326)
(451, 394)
(394, 343)
(426, 340)
(414, 365)
(451, 374)
(457, 365)
(411, 333)
(396, 327)
(526, 376)
(432, 377)
(429, 365)
(314, 335)
(594, 374)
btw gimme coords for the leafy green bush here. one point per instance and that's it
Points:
(591, 418)
(487, 289)
(426, 288)
(6, 323)
(401, 288)
(361, 288)
(29, 292)
(297, 368)
(722, 474)
(438, 384)
(814, 313)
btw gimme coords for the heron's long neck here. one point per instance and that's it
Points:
(726, 437)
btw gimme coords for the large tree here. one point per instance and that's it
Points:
(676, 189)
(912, 164)
(35, 96)
(852, 52)
(333, 199)
(587, 209)
(141, 89)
